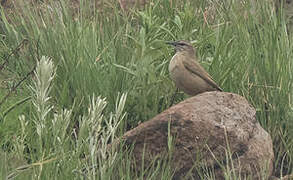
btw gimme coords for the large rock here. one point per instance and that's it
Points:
(201, 128)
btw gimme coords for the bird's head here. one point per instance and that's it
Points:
(182, 46)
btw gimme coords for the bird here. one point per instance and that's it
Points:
(186, 72)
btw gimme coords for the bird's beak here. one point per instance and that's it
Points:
(173, 43)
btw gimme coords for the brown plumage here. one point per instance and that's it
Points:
(188, 75)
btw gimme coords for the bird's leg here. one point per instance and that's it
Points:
(173, 97)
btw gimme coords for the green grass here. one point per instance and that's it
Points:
(103, 53)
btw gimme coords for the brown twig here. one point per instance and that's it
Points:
(16, 86)
(13, 52)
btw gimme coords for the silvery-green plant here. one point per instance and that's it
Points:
(50, 130)
(60, 123)
(44, 74)
(95, 134)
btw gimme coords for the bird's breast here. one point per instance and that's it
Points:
(173, 63)
(176, 69)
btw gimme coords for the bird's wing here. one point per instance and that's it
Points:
(199, 71)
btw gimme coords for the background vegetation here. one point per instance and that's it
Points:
(55, 124)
